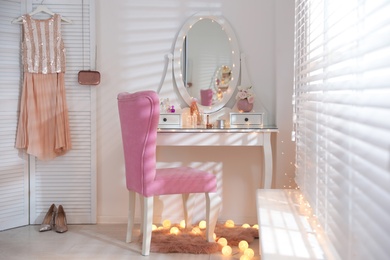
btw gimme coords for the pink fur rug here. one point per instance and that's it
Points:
(187, 242)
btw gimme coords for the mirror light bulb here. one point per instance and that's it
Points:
(154, 227)
(244, 257)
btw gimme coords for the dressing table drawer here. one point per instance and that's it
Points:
(169, 120)
(237, 119)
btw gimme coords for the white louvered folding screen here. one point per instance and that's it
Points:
(342, 121)
(14, 200)
(69, 180)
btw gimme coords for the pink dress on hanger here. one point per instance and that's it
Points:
(43, 127)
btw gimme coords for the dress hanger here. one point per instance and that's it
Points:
(40, 9)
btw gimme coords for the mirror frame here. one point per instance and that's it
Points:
(177, 59)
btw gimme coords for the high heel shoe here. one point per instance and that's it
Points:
(60, 220)
(48, 220)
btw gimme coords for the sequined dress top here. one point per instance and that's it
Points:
(43, 126)
(43, 47)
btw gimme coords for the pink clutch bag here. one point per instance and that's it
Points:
(89, 77)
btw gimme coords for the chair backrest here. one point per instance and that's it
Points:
(139, 114)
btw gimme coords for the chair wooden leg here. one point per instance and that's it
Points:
(141, 203)
(147, 225)
(188, 204)
(130, 217)
(213, 206)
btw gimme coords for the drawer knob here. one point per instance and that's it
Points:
(165, 119)
(246, 119)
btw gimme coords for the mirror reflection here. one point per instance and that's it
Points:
(206, 62)
(222, 81)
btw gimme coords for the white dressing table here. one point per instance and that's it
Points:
(194, 61)
(223, 137)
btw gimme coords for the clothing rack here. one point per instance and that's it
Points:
(40, 9)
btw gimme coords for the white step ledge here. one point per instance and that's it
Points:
(287, 228)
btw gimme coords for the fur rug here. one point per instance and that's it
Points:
(187, 242)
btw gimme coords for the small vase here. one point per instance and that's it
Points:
(244, 106)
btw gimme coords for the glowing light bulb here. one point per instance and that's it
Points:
(166, 223)
(249, 252)
(214, 236)
(202, 224)
(226, 250)
(182, 224)
(255, 226)
(246, 225)
(196, 231)
(222, 241)
(174, 230)
(243, 245)
(244, 257)
(229, 223)
(154, 227)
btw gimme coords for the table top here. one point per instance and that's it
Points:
(240, 129)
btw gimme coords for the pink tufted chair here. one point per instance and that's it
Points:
(139, 115)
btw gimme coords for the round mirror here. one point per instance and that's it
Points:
(206, 62)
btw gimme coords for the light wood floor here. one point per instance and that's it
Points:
(102, 241)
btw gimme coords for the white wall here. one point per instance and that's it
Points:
(133, 37)
(284, 77)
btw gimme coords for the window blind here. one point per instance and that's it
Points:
(342, 121)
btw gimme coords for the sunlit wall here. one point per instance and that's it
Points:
(132, 39)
